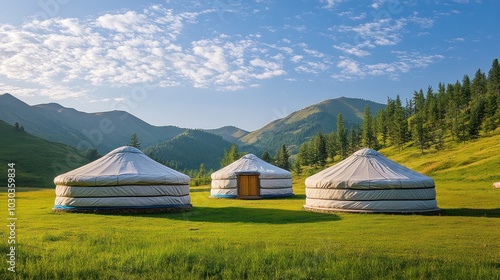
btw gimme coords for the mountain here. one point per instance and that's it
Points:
(178, 146)
(104, 131)
(189, 149)
(37, 161)
(229, 133)
(299, 126)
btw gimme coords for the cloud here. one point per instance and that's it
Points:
(69, 57)
(378, 32)
(351, 69)
(329, 4)
(130, 21)
(352, 50)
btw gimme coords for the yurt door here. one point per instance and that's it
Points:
(248, 186)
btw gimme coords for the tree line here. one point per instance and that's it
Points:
(463, 110)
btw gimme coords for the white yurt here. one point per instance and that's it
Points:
(123, 179)
(251, 177)
(369, 182)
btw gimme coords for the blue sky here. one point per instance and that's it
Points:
(206, 64)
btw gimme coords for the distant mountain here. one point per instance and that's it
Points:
(104, 131)
(299, 126)
(183, 148)
(37, 161)
(189, 149)
(229, 133)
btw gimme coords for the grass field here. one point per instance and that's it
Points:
(274, 239)
(259, 239)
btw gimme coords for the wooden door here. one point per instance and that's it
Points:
(248, 186)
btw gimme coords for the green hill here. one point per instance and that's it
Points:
(476, 160)
(299, 126)
(104, 131)
(37, 161)
(229, 133)
(190, 149)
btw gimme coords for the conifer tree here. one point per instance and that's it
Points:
(266, 157)
(369, 137)
(283, 158)
(342, 137)
(320, 154)
(134, 141)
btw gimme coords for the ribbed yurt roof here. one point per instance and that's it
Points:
(122, 166)
(368, 169)
(251, 163)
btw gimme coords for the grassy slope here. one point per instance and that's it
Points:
(37, 161)
(275, 239)
(459, 169)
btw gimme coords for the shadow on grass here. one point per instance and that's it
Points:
(199, 189)
(248, 215)
(469, 212)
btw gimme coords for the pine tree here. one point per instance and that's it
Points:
(320, 149)
(230, 156)
(399, 126)
(134, 141)
(369, 137)
(297, 168)
(342, 137)
(16, 126)
(201, 172)
(233, 153)
(420, 132)
(383, 127)
(304, 156)
(266, 157)
(354, 139)
(494, 79)
(332, 145)
(282, 158)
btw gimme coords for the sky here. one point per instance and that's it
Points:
(208, 64)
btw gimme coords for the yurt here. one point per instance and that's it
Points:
(496, 185)
(125, 179)
(250, 177)
(369, 182)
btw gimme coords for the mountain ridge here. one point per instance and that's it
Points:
(299, 126)
(110, 129)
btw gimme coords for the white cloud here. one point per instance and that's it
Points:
(377, 32)
(296, 58)
(352, 50)
(377, 4)
(350, 69)
(68, 57)
(329, 4)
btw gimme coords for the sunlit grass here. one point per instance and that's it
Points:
(275, 238)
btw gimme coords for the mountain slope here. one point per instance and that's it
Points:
(190, 149)
(37, 161)
(299, 126)
(229, 133)
(104, 131)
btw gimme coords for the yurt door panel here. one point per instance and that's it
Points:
(248, 186)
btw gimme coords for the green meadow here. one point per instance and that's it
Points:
(275, 238)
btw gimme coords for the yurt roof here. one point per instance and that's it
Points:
(122, 166)
(251, 163)
(368, 169)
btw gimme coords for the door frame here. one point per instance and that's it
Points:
(248, 173)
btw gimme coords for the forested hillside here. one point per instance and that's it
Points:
(461, 111)
(189, 150)
(37, 161)
(301, 125)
